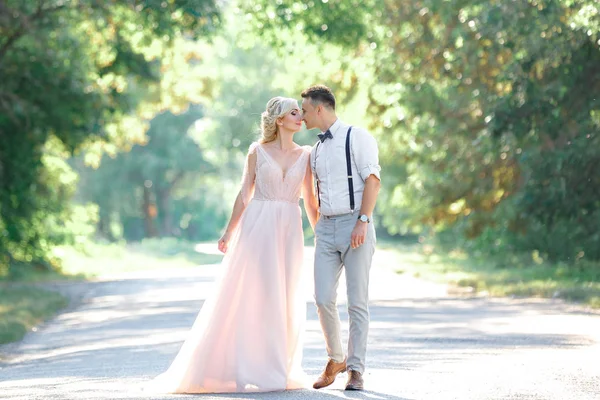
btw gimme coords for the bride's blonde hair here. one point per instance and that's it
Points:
(277, 107)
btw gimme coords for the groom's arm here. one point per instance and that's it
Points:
(366, 156)
(371, 191)
(372, 186)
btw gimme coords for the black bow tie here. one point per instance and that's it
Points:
(325, 136)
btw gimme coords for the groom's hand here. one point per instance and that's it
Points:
(359, 233)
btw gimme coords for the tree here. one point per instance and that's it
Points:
(147, 175)
(69, 70)
(484, 110)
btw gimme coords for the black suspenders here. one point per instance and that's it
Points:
(348, 170)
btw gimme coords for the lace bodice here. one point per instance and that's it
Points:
(270, 182)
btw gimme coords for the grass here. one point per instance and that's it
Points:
(24, 305)
(524, 275)
(97, 260)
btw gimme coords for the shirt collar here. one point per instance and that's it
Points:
(334, 127)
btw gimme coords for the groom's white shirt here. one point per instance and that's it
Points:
(328, 162)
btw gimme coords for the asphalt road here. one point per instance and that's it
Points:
(423, 343)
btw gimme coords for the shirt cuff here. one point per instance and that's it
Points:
(370, 170)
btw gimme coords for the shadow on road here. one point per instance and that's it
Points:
(132, 329)
(321, 395)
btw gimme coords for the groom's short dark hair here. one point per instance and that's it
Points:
(320, 94)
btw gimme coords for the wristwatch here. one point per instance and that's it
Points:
(364, 218)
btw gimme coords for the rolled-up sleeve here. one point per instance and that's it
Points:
(366, 154)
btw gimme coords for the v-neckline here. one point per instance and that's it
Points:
(279, 167)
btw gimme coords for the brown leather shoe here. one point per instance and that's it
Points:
(355, 380)
(328, 376)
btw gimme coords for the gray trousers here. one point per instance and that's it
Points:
(332, 252)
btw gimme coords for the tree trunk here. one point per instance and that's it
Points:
(149, 210)
(162, 200)
(103, 226)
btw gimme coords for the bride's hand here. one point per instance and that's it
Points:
(224, 242)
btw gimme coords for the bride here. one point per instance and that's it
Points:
(247, 336)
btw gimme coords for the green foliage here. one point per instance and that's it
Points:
(334, 21)
(486, 113)
(40, 221)
(182, 179)
(73, 71)
(499, 274)
(23, 307)
(144, 187)
(232, 119)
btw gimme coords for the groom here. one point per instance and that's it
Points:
(346, 168)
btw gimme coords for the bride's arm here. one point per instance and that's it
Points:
(311, 204)
(241, 201)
